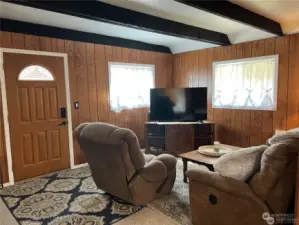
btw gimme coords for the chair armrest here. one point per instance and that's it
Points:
(148, 157)
(78, 129)
(168, 160)
(225, 184)
(153, 171)
(232, 201)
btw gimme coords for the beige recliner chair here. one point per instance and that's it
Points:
(119, 168)
(248, 187)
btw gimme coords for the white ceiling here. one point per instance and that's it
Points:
(286, 12)
(38, 16)
(172, 10)
(168, 9)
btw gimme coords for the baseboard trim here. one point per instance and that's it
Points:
(7, 184)
(79, 165)
(74, 167)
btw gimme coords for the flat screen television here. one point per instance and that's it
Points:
(178, 104)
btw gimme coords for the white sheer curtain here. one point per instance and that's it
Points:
(248, 84)
(130, 85)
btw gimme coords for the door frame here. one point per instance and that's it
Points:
(5, 107)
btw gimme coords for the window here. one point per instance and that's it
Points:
(35, 73)
(130, 85)
(246, 84)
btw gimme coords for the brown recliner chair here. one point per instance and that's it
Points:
(119, 168)
(246, 195)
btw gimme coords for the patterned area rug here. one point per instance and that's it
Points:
(176, 205)
(69, 197)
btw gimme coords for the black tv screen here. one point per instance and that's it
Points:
(178, 104)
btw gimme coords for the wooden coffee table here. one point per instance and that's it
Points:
(198, 158)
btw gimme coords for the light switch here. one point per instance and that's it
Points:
(76, 105)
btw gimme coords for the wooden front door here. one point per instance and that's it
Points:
(36, 97)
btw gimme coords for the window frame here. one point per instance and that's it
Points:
(38, 80)
(252, 59)
(151, 66)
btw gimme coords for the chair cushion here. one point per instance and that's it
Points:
(240, 164)
(295, 130)
(148, 157)
(290, 134)
(110, 134)
(274, 162)
(99, 132)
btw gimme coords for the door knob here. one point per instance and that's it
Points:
(63, 123)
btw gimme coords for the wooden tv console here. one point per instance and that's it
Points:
(177, 137)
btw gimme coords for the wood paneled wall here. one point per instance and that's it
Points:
(246, 127)
(89, 79)
(89, 84)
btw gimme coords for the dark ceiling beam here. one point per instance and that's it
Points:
(99, 11)
(66, 34)
(237, 13)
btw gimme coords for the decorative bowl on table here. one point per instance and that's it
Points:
(214, 150)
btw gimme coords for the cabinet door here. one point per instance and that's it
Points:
(179, 139)
(155, 130)
(201, 130)
(157, 142)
